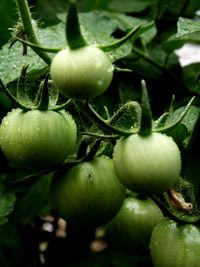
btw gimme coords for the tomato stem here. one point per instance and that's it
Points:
(103, 124)
(132, 107)
(102, 136)
(73, 32)
(146, 116)
(28, 28)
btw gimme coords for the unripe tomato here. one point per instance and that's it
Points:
(81, 73)
(175, 245)
(37, 140)
(131, 228)
(88, 193)
(147, 163)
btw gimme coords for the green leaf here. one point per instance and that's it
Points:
(189, 76)
(34, 200)
(11, 245)
(196, 86)
(188, 28)
(130, 5)
(47, 10)
(93, 5)
(184, 130)
(172, 43)
(12, 61)
(7, 202)
(165, 8)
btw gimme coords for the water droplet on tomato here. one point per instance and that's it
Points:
(100, 83)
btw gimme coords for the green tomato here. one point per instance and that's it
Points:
(175, 245)
(147, 163)
(88, 193)
(131, 228)
(37, 140)
(82, 73)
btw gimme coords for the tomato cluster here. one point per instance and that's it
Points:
(103, 191)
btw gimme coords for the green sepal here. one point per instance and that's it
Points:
(170, 126)
(103, 124)
(121, 41)
(73, 32)
(21, 92)
(40, 47)
(146, 115)
(43, 96)
(12, 98)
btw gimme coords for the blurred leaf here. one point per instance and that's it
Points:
(12, 251)
(169, 45)
(117, 259)
(130, 6)
(7, 15)
(33, 201)
(7, 202)
(87, 5)
(196, 87)
(170, 10)
(194, 5)
(48, 9)
(165, 6)
(189, 75)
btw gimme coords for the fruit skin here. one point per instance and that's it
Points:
(147, 163)
(37, 140)
(81, 73)
(175, 245)
(88, 193)
(131, 228)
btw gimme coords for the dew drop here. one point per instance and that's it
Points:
(100, 83)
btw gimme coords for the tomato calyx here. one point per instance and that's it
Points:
(143, 123)
(22, 100)
(167, 118)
